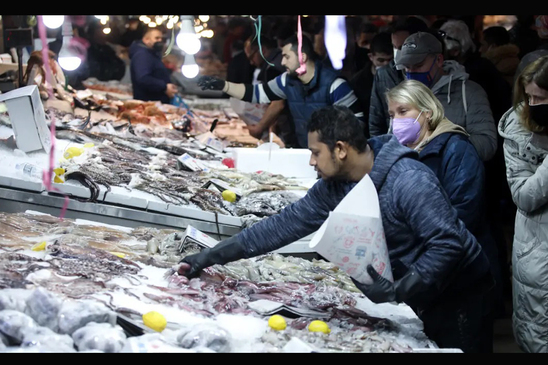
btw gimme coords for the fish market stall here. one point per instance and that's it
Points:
(95, 287)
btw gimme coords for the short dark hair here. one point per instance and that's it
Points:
(307, 46)
(338, 123)
(496, 35)
(368, 28)
(381, 43)
(266, 41)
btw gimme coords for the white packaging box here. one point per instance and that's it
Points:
(28, 118)
(289, 162)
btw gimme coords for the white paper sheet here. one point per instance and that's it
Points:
(353, 236)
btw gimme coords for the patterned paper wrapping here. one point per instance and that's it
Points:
(353, 236)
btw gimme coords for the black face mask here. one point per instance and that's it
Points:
(539, 113)
(158, 47)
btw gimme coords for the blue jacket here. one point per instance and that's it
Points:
(304, 99)
(421, 227)
(149, 75)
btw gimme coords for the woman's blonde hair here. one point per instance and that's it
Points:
(537, 72)
(419, 96)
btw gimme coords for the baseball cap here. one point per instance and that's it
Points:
(416, 47)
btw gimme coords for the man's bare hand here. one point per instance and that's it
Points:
(255, 130)
(171, 90)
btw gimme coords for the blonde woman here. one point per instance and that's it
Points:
(525, 132)
(418, 122)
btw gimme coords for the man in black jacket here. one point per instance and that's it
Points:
(150, 78)
(388, 76)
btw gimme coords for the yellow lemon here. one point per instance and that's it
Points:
(89, 145)
(72, 152)
(277, 322)
(58, 180)
(39, 246)
(229, 196)
(155, 320)
(318, 326)
(119, 254)
(59, 171)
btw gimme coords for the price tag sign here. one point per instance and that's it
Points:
(28, 119)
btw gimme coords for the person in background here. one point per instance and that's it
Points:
(460, 47)
(238, 30)
(464, 101)
(439, 269)
(525, 131)
(496, 47)
(419, 122)
(267, 60)
(149, 76)
(524, 35)
(133, 32)
(380, 54)
(389, 76)
(239, 69)
(366, 34)
(541, 48)
(304, 92)
(103, 62)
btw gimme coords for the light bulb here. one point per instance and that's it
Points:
(67, 59)
(335, 39)
(53, 21)
(190, 69)
(187, 39)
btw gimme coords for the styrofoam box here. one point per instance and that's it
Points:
(289, 162)
(28, 118)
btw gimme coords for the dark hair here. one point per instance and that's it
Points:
(496, 35)
(307, 46)
(381, 43)
(411, 25)
(537, 72)
(338, 123)
(266, 41)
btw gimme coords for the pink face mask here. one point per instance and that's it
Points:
(406, 130)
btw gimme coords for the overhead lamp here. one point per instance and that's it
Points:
(53, 21)
(187, 39)
(190, 69)
(335, 39)
(67, 59)
(203, 18)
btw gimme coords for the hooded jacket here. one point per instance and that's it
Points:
(527, 173)
(421, 227)
(149, 75)
(466, 104)
(450, 155)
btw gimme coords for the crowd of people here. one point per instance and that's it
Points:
(450, 122)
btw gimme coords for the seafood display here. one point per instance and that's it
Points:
(71, 287)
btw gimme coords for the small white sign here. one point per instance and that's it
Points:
(199, 237)
(28, 118)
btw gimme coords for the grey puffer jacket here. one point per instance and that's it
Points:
(466, 104)
(527, 175)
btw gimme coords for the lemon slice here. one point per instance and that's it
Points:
(318, 326)
(155, 320)
(72, 152)
(59, 171)
(39, 246)
(58, 180)
(229, 196)
(119, 254)
(277, 322)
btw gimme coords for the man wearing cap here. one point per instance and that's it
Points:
(464, 101)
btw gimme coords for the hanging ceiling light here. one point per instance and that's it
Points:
(187, 39)
(67, 59)
(335, 39)
(190, 69)
(53, 21)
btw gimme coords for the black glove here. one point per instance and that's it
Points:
(382, 290)
(223, 252)
(211, 83)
